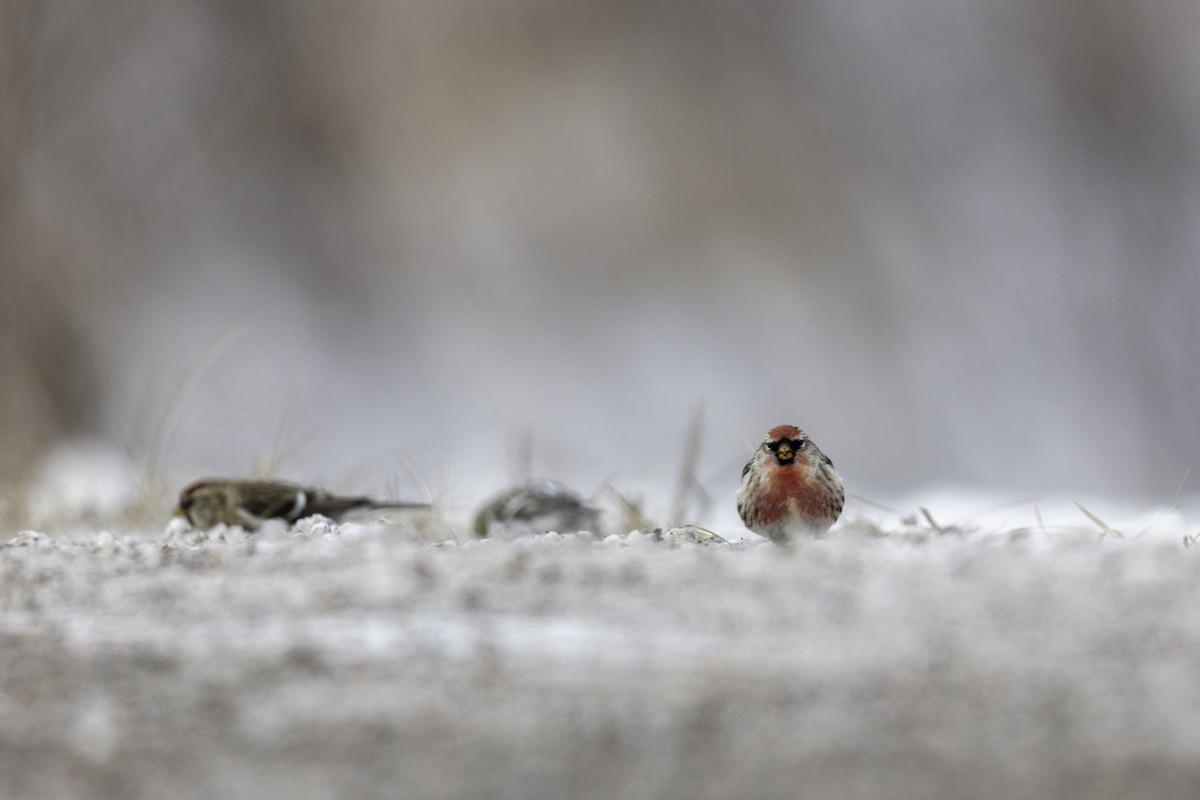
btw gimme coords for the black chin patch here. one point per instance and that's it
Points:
(785, 451)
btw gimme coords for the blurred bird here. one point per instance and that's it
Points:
(221, 501)
(789, 487)
(539, 506)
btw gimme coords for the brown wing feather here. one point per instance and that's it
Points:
(268, 499)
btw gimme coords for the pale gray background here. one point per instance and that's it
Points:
(957, 241)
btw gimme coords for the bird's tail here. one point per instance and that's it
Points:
(380, 505)
(335, 506)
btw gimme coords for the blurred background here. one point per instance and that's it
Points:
(381, 244)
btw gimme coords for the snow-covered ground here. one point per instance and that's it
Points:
(1011, 659)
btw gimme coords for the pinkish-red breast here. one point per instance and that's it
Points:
(791, 492)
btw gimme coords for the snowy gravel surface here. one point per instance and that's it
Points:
(360, 661)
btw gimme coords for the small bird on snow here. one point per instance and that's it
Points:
(789, 487)
(249, 503)
(539, 506)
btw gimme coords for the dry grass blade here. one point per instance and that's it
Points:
(694, 532)
(689, 486)
(631, 516)
(1105, 528)
(170, 418)
(1172, 507)
(882, 507)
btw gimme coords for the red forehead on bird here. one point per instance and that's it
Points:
(194, 486)
(784, 432)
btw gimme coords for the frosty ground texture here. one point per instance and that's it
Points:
(361, 661)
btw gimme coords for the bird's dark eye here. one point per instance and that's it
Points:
(799, 444)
